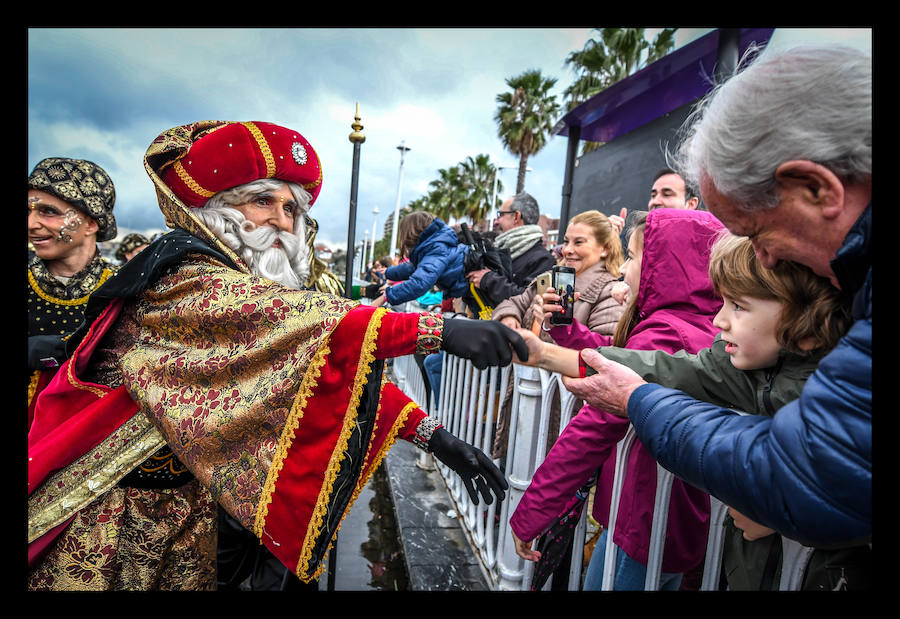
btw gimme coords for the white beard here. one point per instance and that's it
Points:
(287, 265)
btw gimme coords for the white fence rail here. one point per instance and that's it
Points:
(467, 406)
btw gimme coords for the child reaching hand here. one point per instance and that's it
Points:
(435, 258)
(775, 327)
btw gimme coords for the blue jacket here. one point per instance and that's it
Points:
(806, 472)
(436, 259)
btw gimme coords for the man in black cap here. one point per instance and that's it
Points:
(70, 209)
(130, 246)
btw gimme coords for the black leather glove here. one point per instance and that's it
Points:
(471, 464)
(371, 291)
(485, 342)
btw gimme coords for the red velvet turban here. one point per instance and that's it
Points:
(240, 152)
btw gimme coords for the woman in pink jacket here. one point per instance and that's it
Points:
(670, 306)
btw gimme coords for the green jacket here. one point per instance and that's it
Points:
(709, 376)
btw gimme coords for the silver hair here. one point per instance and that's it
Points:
(527, 206)
(246, 192)
(809, 102)
(288, 265)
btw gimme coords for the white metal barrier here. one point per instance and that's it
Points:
(468, 405)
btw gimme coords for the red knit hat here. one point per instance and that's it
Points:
(240, 152)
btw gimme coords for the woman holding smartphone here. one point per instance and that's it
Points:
(592, 248)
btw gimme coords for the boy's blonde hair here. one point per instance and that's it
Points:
(606, 235)
(813, 310)
(409, 229)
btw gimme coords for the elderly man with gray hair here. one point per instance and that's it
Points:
(519, 233)
(782, 153)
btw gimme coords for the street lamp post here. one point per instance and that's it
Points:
(357, 138)
(365, 254)
(375, 212)
(403, 150)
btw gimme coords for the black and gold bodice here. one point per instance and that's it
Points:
(56, 308)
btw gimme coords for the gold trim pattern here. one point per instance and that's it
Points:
(389, 440)
(188, 180)
(167, 460)
(100, 393)
(316, 182)
(288, 435)
(50, 299)
(430, 329)
(70, 371)
(319, 512)
(69, 490)
(32, 385)
(263, 147)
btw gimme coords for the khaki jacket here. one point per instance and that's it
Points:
(595, 308)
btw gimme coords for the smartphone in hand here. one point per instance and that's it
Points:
(564, 284)
(544, 282)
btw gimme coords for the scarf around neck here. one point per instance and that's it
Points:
(519, 239)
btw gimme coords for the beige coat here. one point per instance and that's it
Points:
(595, 308)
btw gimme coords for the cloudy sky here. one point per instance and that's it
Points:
(103, 94)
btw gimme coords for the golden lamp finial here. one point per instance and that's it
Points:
(357, 136)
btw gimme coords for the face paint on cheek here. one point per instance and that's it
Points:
(71, 223)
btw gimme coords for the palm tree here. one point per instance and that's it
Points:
(526, 116)
(446, 194)
(460, 191)
(618, 53)
(477, 176)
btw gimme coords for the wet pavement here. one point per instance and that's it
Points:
(402, 534)
(437, 553)
(369, 556)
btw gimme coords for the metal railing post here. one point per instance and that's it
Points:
(520, 465)
(623, 449)
(467, 405)
(794, 559)
(658, 530)
(712, 564)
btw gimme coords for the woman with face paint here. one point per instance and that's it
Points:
(70, 208)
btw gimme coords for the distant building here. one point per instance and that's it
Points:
(323, 252)
(550, 226)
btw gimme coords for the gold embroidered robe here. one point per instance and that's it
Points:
(271, 397)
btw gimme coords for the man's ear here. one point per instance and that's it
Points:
(91, 227)
(812, 183)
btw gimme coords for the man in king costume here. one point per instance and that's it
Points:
(203, 374)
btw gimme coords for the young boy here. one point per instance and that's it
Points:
(775, 327)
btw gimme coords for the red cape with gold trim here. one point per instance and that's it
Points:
(273, 398)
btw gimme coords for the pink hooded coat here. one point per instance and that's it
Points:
(676, 304)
